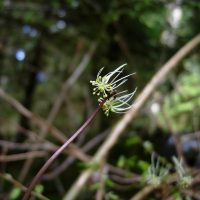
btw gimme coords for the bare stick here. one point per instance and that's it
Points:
(59, 100)
(41, 123)
(101, 189)
(143, 193)
(31, 116)
(22, 156)
(67, 84)
(122, 124)
(47, 146)
(70, 160)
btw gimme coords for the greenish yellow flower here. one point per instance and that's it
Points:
(108, 83)
(156, 173)
(184, 178)
(119, 102)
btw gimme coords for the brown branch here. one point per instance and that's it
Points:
(143, 193)
(31, 116)
(128, 117)
(42, 123)
(29, 146)
(77, 133)
(59, 100)
(67, 84)
(22, 156)
(125, 180)
(70, 160)
(31, 135)
(101, 189)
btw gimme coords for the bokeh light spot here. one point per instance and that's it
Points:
(20, 54)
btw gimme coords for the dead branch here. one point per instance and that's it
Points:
(31, 116)
(22, 156)
(59, 100)
(42, 123)
(70, 160)
(27, 146)
(67, 84)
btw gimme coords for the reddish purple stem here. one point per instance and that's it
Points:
(38, 176)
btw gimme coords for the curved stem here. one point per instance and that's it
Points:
(38, 176)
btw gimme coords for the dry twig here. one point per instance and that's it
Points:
(59, 100)
(22, 156)
(42, 123)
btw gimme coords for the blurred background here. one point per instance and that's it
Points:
(50, 50)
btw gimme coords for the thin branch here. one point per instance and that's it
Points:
(70, 160)
(31, 116)
(101, 189)
(67, 84)
(59, 100)
(27, 146)
(120, 172)
(128, 117)
(125, 180)
(143, 193)
(22, 156)
(38, 176)
(42, 123)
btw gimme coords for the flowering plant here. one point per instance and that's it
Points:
(156, 173)
(110, 101)
(184, 178)
(107, 85)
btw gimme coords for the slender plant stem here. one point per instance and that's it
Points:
(38, 176)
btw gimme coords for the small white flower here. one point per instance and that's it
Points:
(107, 85)
(156, 173)
(117, 103)
(109, 82)
(184, 178)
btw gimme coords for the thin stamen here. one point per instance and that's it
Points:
(119, 84)
(123, 78)
(110, 74)
(100, 71)
(122, 103)
(107, 84)
(119, 72)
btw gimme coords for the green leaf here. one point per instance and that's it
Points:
(121, 161)
(143, 165)
(148, 146)
(133, 140)
(15, 193)
(109, 182)
(39, 188)
(112, 196)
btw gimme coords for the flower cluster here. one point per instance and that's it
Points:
(107, 85)
(184, 178)
(156, 173)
